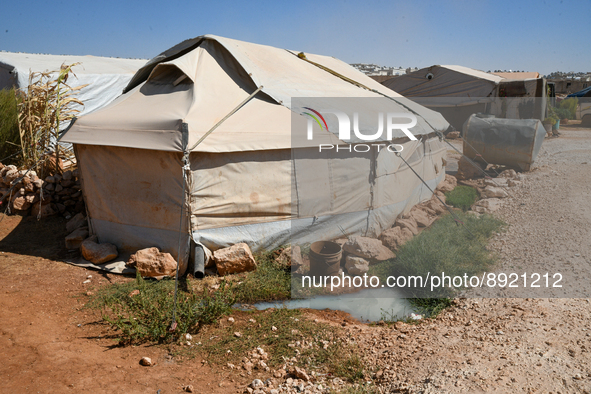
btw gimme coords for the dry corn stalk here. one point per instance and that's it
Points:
(47, 104)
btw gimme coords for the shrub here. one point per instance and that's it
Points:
(146, 316)
(567, 109)
(462, 197)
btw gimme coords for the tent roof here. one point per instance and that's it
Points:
(105, 76)
(474, 73)
(201, 80)
(446, 85)
(23, 62)
(519, 75)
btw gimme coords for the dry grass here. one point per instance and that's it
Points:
(47, 104)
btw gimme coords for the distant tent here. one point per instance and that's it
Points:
(244, 181)
(106, 77)
(519, 75)
(457, 92)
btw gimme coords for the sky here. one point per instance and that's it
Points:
(528, 35)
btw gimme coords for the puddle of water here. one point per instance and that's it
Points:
(365, 305)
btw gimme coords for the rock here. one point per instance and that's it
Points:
(428, 210)
(299, 373)
(151, 262)
(135, 293)
(49, 179)
(67, 175)
(146, 361)
(38, 183)
(10, 176)
(436, 206)
(448, 184)
(76, 237)
(368, 248)
(20, 203)
(513, 183)
(29, 186)
(97, 253)
(467, 170)
(291, 257)
(395, 237)
(237, 334)
(487, 205)
(189, 388)
(76, 222)
(256, 384)
(46, 209)
(237, 258)
(421, 217)
(494, 192)
(408, 223)
(508, 174)
(496, 182)
(30, 198)
(453, 135)
(356, 265)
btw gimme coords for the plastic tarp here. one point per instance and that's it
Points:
(106, 77)
(581, 93)
(510, 142)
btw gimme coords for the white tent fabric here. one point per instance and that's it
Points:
(106, 77)
(249, 180)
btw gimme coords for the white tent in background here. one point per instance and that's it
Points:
(249, 180)
(106, 77)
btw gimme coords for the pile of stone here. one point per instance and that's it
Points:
(57, 194)
(492, 191)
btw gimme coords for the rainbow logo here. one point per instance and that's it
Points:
(315, 118)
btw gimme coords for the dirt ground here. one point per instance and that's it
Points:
(50, 344)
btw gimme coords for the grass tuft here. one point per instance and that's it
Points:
(462, 197)
(269, 282)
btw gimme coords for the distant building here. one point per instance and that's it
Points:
(373, 70)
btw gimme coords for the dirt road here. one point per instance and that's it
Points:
(513, 345)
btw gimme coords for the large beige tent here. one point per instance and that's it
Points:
(458, 92)
(250, 179)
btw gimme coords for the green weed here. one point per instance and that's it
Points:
(446, 247)
(462, 197)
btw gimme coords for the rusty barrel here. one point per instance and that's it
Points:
(325, 258)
